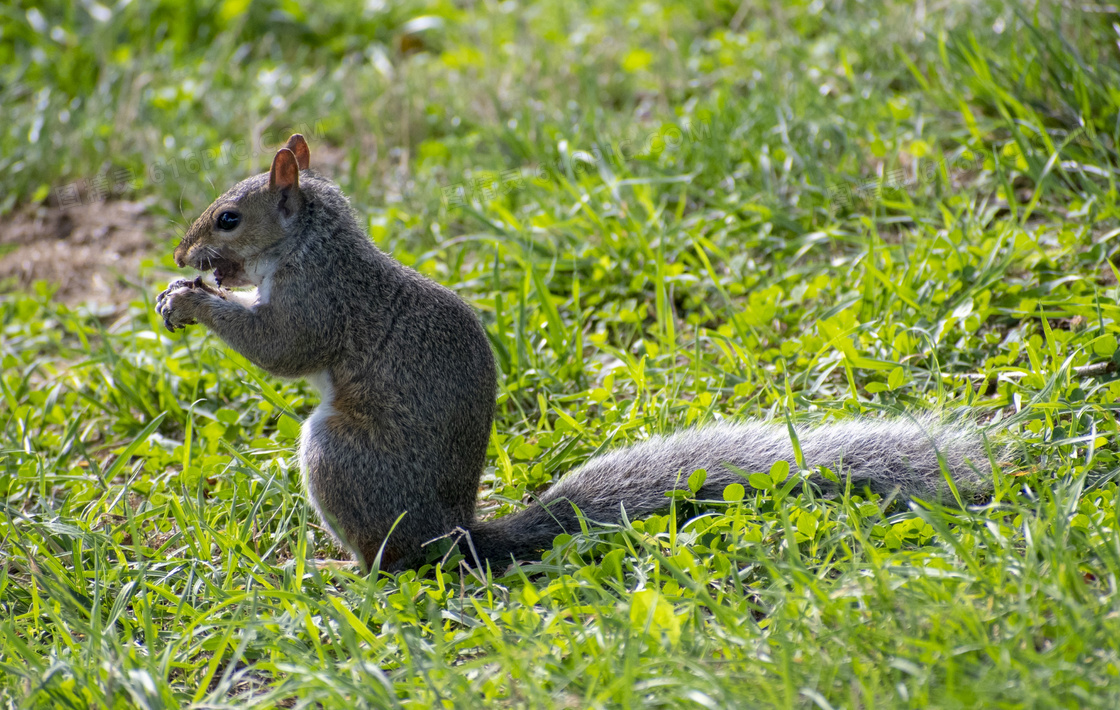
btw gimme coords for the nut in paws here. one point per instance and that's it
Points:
(195, 283)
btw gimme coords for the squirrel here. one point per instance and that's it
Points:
(393, 454)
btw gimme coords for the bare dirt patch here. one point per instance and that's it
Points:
(92, 252)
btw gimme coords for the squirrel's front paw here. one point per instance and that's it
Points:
(170, 306)
(179, 304)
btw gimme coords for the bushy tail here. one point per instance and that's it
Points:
(889, 456)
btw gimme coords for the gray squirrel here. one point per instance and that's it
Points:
(393, 454)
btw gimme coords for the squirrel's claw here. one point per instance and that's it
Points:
(165, 300)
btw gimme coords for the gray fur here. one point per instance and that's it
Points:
(888, 456)
(408, 383)
(405, 363)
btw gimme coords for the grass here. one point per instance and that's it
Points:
(156, 548)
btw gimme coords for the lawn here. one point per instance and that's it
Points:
(666, 215)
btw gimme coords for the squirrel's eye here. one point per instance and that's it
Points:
(228, 221)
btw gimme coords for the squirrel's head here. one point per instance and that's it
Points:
(246, 221)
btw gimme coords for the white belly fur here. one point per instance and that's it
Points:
(259, 272)
(321, 381)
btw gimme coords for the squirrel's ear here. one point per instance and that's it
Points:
(285, 171)
(284, 180)
(298, 145)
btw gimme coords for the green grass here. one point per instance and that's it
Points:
(156, 548)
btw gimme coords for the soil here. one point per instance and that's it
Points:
(91, 251)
